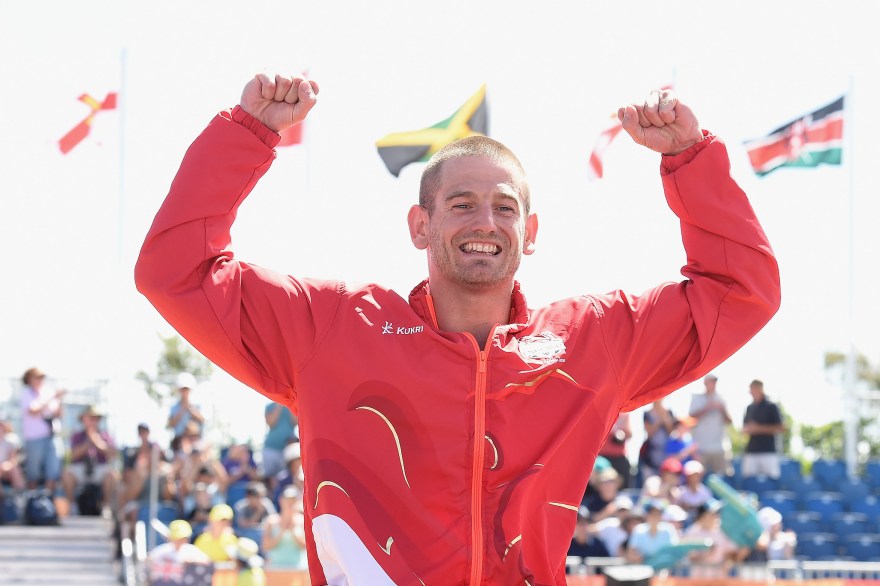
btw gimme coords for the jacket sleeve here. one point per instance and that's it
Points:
(673, 334)
(255, 324)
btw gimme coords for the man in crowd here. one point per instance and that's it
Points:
(762, 423)
(710, 431)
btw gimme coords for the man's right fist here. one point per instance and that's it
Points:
(280, 101)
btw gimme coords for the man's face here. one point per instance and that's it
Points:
(478, 231)
(710, 384)
(757, 393)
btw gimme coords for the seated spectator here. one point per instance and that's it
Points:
(203, 503)
(693, 492)
(599, 467)
(177, 550)
(615, 446)
(248, 563)
(195, 461)
(774, 543)
(144, 449)
(603, 502)
(680, 443)
(292, 475)
(676, 516)
(136, 491)
(11, 473)
(649, 537)
(614, 530)
(665, 486)
(92, 454)
(716, 561)
(219, 538)
(253, 510)
(284, 537)
(239, 464)
(585, 543)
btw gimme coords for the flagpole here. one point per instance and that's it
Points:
(851, 406)
(122, 105)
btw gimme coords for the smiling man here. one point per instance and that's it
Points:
(447, 437)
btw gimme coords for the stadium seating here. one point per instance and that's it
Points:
(827, 504)
(235, 492)
(789, 473)
(817, 546)
(872, 474)
(829, 473)
(759, 484)
(852, 490)
(802, 522)
(845, 524)
(804, 485)
(870, 506)
(864, 547)
(782, 500)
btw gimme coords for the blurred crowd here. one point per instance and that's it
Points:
(230, 503)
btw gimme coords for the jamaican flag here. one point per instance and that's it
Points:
(399, 149)
(808, 141)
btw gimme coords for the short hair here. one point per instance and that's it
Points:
(470, 146)
(757, 384)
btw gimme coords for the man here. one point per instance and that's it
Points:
(216, 540)
(709, 433)
(92, 455)
(459, 423)
(281, 424)
(184, 412)
(762, 423)
(10, 470)
(40, 424)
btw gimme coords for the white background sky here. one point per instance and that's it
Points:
(71, 226)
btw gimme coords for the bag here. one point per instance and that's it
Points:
(39, 509)
(88, 501)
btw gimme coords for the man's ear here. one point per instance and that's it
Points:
(531, 234)
(418, 226)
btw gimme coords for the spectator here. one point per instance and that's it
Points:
(584, 543)
(603, 503)
(693, 493)
(649, 537)
(614, 530)
(284, 537)
(252, 510)
(709, 433)
(199, 513)
(600, 465)
(239, 464)
(659, 423)
(667, 485)
(281, 423)
(774, 543)
(92, 458)
(716, 561)
(195, 461)
(10, 470)
(292, 475)
(185, 411)
(219, 538)
(675, 516)
(762, 423)
(249, 564)
(680, 444)
(144, 449)
(136, 492)
(40, 424)
(614, 449)
(177, 550)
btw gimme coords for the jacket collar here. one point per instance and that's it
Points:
(421, 302)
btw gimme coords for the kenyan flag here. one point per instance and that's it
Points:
(809, 141)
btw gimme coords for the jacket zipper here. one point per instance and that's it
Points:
(478, 461)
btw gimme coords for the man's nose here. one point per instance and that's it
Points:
(484, 219)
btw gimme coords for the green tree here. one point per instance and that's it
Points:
(177, 356)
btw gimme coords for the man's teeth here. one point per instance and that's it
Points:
(480, 247)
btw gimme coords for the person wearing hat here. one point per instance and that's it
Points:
(249, 564)
(92, 454)
(219, 537)
(649, 537)
(774, 543)
(603, 502)
(292, 475)
(693, 492)
(178, 549)
(184, 411)
(40, 426)
(614, 530)
(715, 561)
(666, 485)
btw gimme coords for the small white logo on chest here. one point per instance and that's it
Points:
(389, 328)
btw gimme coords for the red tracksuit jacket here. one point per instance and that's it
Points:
(427, 459)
